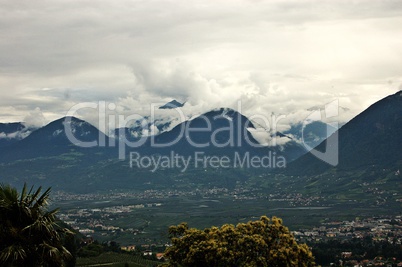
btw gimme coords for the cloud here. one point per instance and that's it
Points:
(275, 57)
(35, 119)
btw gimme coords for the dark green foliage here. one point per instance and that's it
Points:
(117, 260)
(330, 251)
(29, 233)
(71, 244)
(91, 250)
(95, 249)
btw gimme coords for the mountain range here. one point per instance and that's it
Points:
(218, 132)
(53, 155)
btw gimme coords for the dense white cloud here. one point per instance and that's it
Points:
(35, 119)
(276, 57)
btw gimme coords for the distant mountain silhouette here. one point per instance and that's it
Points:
(312, 134)
(50, 158)
(218, 132)
(373, 138)
(171, 105)
(52, 140)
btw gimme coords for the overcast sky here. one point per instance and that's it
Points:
(280, 57)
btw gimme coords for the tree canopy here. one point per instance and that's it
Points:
(29, 233)
(265, 242)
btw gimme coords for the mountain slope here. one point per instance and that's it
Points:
(312, 133)
(373, 138)
(52, 140)
(11, 133)
(220, 132)
(50, 158)
(142, 128)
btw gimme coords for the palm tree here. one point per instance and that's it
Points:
(29, 233)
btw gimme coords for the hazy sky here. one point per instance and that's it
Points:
(280, 57)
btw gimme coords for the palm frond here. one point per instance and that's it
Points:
(42, 201)
(29, 232)
(23, 193)
(33, 197)
(12, 254)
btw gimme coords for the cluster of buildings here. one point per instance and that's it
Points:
(87, 221)
(238, 193)
(379, 228)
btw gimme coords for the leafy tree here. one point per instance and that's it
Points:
(91, 250)
(29, 233)
(265, 242)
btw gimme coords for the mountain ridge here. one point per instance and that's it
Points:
(172, 105)
(13, 132)
(370, 138)
(67, 166)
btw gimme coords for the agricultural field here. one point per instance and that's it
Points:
(113, 259)
(149, 221)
